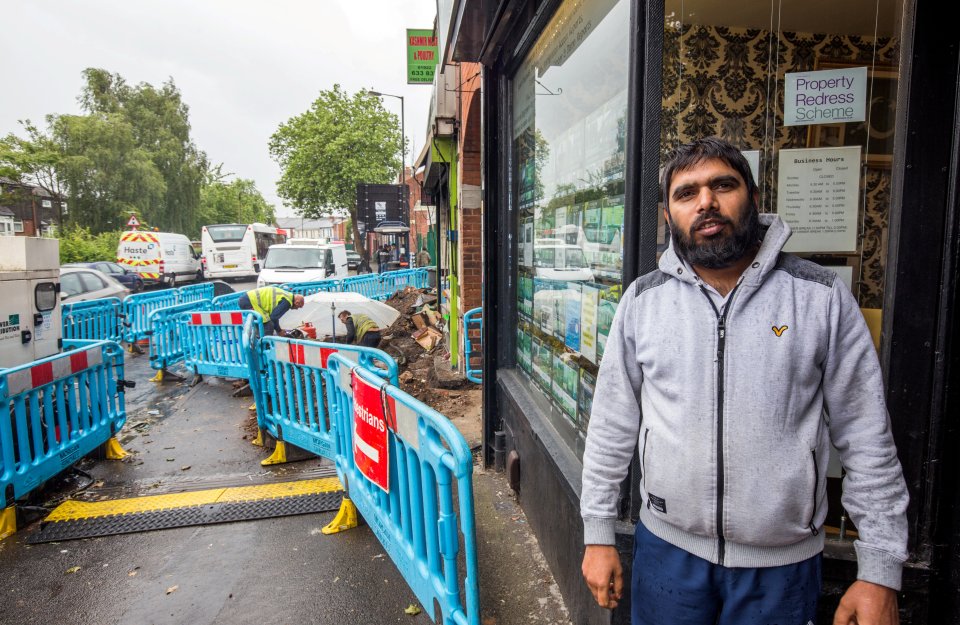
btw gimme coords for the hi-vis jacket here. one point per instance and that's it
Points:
(265, 299)
(361, 325)
(740, 399)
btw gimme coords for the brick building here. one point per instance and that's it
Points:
(28, 210)
(451, 162)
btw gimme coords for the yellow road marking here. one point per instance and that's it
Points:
(73, 510)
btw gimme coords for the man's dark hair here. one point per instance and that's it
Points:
(685, 156)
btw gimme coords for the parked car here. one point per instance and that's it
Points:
(124, 276)
(353, 259)
(79, 284)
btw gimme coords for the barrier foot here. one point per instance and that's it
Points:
(8, 522)
(258, 441)
(163, 373)
(279, 455)
(346, 518)
(113, 450)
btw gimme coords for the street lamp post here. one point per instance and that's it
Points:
(403, 136)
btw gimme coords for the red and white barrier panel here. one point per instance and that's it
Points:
(309, 355)
(27, 379)
(216, 319)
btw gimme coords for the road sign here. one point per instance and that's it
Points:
(133, 222)
(370, 443)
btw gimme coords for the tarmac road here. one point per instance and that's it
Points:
(259, 572)
(264, 572)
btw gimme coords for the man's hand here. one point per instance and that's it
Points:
(603, 573)
(865, 603)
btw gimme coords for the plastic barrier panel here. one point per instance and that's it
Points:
(472, 319)
(309, 288)
(290, 401)
(367, 285)
(93, 320)
(213, 342)
(195, 292)
(393, 281)
(409, 472)
(166, 333)
(137, 309)
(227, 302)
(55, 411)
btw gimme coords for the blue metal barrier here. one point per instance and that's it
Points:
(166, 333)
(289, 394)
(55, 411)
(93, 320)
(213, 342)
(472, 318)
(428, 503)
(137, 309)
(195, 292)
(226, 302)
(309, 288)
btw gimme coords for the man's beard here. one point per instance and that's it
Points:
(721, 250)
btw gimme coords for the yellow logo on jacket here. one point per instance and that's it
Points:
(779, 331)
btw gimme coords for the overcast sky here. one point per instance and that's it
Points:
(243, 66)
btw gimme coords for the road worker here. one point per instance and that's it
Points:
(361, 329)
(272, 303)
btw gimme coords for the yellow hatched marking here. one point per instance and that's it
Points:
(72, 510)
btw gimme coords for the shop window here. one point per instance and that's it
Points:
(569, 103)
(809, 94)
(810, 97)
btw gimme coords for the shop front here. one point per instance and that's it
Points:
(846, 116)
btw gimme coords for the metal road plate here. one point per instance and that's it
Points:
(73, 520)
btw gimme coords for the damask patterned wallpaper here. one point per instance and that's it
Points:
(729, 82)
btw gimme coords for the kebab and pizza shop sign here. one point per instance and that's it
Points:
(829, 96)
(371, 444)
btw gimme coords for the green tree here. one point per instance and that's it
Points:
(107, 174)
(324, 152)
(33, 160)
(160, 126)
(236, 202)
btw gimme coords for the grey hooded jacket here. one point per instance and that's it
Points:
(740, 402)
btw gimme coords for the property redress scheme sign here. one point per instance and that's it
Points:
(422, 56)
(825, 97)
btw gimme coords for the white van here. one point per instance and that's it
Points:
(303, 263)
(164, 257)
(555, 260)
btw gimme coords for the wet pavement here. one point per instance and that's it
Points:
(282, 570)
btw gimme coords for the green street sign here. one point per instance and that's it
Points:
(422, 56)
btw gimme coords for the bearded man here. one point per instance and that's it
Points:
(731, 369)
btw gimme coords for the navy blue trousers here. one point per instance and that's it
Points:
(670, 586)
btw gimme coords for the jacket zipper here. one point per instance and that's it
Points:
(721, 343)
(643, 463)
(816, 482)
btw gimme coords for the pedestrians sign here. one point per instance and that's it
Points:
(133, 222)
(370, 444)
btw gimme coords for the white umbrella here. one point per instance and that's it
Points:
(321, 309)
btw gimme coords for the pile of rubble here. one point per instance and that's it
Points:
(415, 340)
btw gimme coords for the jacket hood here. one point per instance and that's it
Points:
(774, 233)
